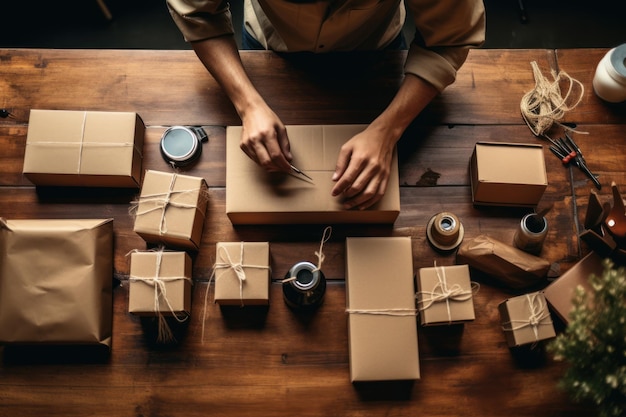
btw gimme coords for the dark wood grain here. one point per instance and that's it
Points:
(273, 362)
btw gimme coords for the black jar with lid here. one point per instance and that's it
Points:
(306, 289)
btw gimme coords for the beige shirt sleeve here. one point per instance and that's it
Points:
(446, 31)
(204, 19)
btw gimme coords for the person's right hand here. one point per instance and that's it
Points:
(264, 139)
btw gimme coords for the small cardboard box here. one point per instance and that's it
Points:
(445, 295)
(254, 196)
(380, 301)
(170, 272)
(507, 174)
(254, 259)
(171, 209)
(560, 293)
(84, 148)
(56, 282)
(525, 319)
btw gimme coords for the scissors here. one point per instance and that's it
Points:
(567, 150)
(299, 172)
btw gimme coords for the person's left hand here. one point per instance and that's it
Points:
(362, 170)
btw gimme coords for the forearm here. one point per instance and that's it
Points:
(221, 58)
(412, 97)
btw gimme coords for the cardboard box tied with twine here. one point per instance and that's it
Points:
(380, 302)
(525, 319)
(254, 196)
(56, 282)
(84, 148)
(242, 273)
(160, 283)
(445, 295)
(171, 209)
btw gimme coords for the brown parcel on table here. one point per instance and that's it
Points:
(445, 295)
(254, 260)
(526, 319)
(380, 299)
(56, 281)
(560, 293)
(507, 174)
(162, 274)
(256, 197)
(84, 148)
(171, 209)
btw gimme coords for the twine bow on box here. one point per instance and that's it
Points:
(538, 316)
(160, 294)
(441, 292)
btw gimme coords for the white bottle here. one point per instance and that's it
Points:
(609, 82)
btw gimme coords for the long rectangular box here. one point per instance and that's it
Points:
(84, 148)
(380, 300)
(254, 196)
(507, 174)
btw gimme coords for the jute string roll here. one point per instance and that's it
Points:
(539, 316)
(164, 200)
(442, 293)
(320, 253)
(160, 293)
(240, 274)
(545, 105)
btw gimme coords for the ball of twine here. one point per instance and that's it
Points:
(545, 105)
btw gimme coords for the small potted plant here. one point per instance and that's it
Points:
(594, 343)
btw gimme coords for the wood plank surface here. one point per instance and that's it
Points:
(272, 361)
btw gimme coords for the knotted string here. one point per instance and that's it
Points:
(240, 274)
(545, 105)
(164, 200)
(160, 293)
(320, 254)
(441, 292)
(539, 316)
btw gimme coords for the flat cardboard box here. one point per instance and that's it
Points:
(171, 209)
(84, 148)
(254, 196)
(507, 174)
(254, 258)
(174, 272)
(380, 300)
(433, 283)
(56, 282)
(517, 315)
(560, 293)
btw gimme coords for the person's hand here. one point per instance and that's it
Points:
(362, 170)
(264, 140)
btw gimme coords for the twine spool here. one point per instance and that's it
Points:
(445, 231)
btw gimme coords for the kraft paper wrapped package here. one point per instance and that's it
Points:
(84, 148)
(171, 209)
(56, 282)
(242, 273)
(445, 295)
(254, 196)
(380, 302)
(509, 265)
(160, 283)
(526, 320)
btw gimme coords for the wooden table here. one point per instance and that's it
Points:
(284, 364)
